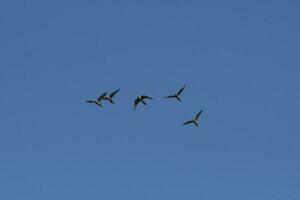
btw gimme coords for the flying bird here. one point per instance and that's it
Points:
(194, 120)
(177, 95)
(141, 99)
(109, 97)
(98, 100)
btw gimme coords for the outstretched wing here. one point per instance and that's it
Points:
(114, 93)
(180, 91)
(171, 96)
(198, 115)
(95, 102)
(188, 122)
(145, 97)
(136, 102)
(101, 96)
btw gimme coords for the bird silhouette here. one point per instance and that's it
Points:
(194, 120)
(141, 99)
(177, 95)
(109, 97)
(98, 100)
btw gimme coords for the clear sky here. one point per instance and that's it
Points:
(240, 62)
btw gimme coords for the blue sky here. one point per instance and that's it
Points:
(239, 60)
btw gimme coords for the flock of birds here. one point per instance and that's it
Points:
(142, 99)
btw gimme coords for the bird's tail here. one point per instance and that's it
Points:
(99, 105)
(111, 101)
(143, 102)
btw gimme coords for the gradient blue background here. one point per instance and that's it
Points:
(240, 62)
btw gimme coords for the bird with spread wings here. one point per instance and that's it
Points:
(98, 100)
(141, 99)
(194, 120)
(110, 96)
(177, 95)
